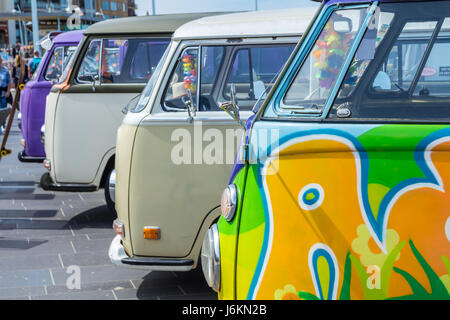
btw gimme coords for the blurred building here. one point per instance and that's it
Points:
(113, 8)
(131, 8)
(15, 16)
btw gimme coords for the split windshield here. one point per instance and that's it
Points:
(398, 70)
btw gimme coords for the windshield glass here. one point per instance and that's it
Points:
(312, 85)
(145, 95)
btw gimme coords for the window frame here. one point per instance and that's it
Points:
(230, 70)
(44, 74)
(368, 78)
(172, 69)
(178, 47)
(269, 110)
(102, 38)
(248, 47)
(274, 109)
(372, 93)
(83, 55)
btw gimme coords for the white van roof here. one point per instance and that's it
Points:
(286, 22)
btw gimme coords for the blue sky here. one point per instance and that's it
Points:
(181, 6)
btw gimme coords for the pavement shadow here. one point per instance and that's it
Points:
(22, 244)
(16, 189)
(19, 213)
(98, 218)
(24, 195)
(175, 285)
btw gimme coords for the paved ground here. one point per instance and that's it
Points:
(43, 233)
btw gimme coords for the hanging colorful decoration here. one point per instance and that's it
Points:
(331, 49)
(190, 71)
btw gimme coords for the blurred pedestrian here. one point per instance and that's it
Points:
(17, 49)
(19, 65)
(13, 52)
(34, 63)
(5, 93)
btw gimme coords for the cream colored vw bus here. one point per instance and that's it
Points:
(176, 146)
(115, 60)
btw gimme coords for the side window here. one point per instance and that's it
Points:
(126, 60)
(407, 79)
(140, 63)
(91, 62)
(240, 75)
(55, 65)
(212, 62)
(255, 69)
(435, 77)
(398, 71)
(182, 81)
(113, 51)
(147, 54)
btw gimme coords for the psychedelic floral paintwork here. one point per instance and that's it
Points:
(344, 212)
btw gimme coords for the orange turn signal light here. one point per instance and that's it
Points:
(152, 233)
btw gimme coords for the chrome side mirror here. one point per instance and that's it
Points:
(231, 107)
(189, 103)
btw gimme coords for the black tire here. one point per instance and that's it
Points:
(109, 202)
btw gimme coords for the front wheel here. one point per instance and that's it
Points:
(110, 191)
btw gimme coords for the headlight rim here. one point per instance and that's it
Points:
(230, 213)
(211, 271)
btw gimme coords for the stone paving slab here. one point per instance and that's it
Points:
(43, 234)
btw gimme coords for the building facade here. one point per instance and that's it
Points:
(15, 16)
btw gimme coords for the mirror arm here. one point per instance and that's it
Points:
(96, 82)
(188, 102)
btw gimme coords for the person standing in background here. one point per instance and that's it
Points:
(33, 63)
(18, 48)
(5, 92)
(13, 52)
(18, 65)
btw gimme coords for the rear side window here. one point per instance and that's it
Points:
(255, 69)
(122, 60)
(408, 75)
(145, 60)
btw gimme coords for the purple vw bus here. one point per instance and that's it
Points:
(34, 95)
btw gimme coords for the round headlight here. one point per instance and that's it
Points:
(210, 258)
(228, 202)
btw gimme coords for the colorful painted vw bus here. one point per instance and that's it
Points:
(60, 49)
(115, 60)
(176, 143)
(341, 189)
